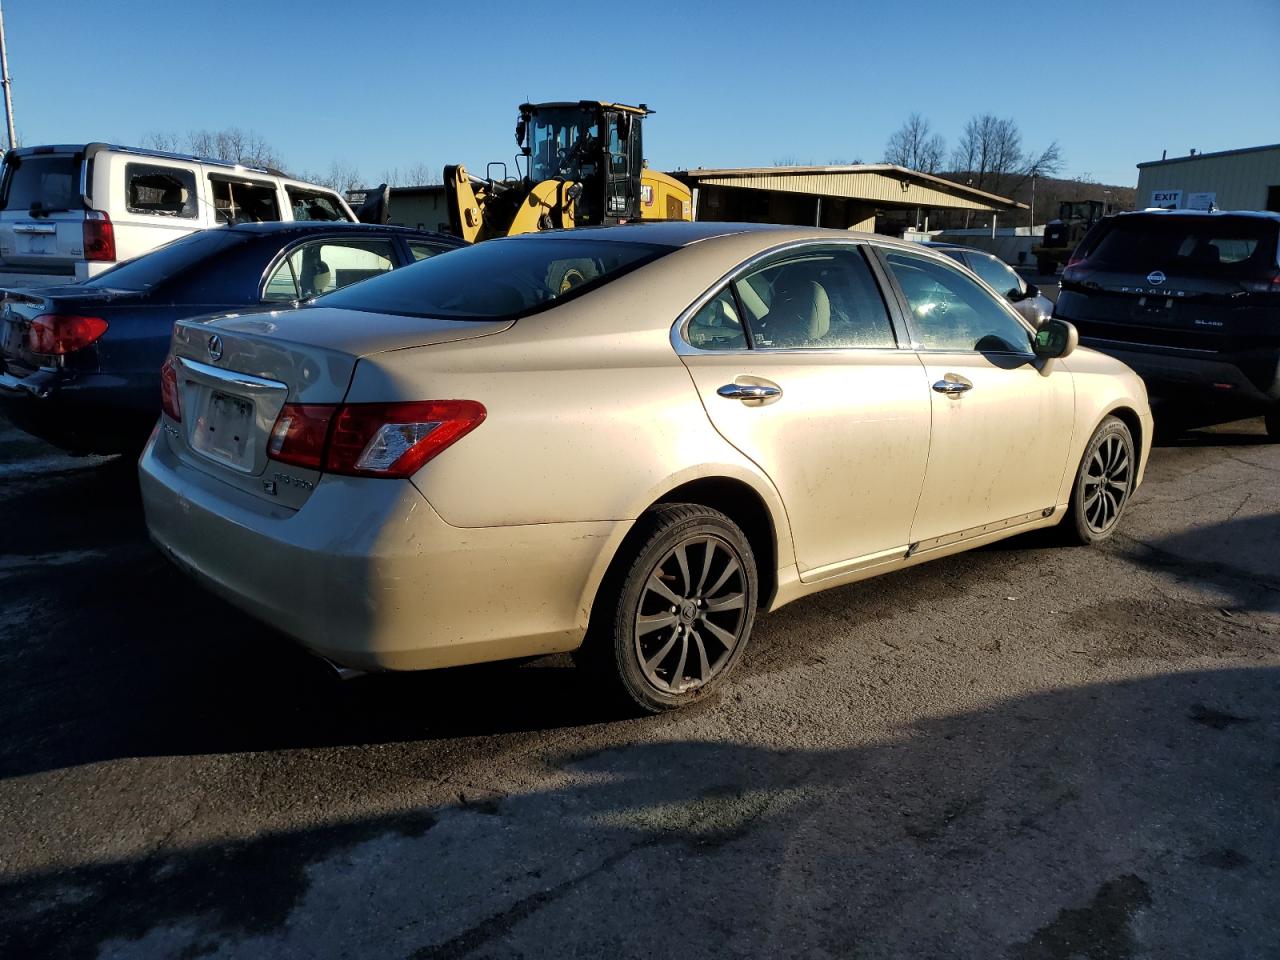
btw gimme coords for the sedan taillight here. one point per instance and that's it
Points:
(169, 400)
(58, 334)
(371, 439)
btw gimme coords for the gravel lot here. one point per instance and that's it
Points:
(1025, 752)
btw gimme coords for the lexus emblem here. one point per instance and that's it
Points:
(215, 343)
(1155, 278)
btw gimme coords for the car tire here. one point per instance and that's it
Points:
(1273, 425)
(676, 610)
(1103, 484)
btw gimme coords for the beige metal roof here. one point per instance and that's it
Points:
(873, 182)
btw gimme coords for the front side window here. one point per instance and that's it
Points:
(243, 201)
(314, 205)
(999, 277)
(160, 191)
(499, 279)
(323, 266)
(951, 312)
(818, 299)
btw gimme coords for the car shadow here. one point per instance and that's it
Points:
(1235, 433)
(1106, 820)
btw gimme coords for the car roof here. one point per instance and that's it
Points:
(303, 227)
(1157, 212)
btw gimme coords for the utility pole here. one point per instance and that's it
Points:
(4, 81)
(1033, 204)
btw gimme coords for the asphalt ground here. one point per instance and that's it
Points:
(1027, 751)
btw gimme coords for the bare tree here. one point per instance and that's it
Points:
(231, 145)
(342, 176)
(990, 156)
(915, 146)
(416, 175)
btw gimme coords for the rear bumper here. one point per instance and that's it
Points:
(1179, 377)
(368, 575)
(92, 413)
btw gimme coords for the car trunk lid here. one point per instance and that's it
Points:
(234, 375)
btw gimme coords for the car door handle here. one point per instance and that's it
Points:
(953, 385)
(749, 391)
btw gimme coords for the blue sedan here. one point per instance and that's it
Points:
(80, 364)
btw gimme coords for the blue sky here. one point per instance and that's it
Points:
(387, 84)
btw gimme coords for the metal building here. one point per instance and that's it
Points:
(864, 196)
(1246, 179)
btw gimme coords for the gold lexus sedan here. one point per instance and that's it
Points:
(624, 442)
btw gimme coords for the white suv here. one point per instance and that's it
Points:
(67, 213)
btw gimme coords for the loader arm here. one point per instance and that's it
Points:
(482, 211)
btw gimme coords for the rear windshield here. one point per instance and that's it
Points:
(1186, 246)
(497, 279)
(46, 183)
(162, 263)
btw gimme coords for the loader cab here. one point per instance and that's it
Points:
(595, 144)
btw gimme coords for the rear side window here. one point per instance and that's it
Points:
(816, 300)
(317, 268)
(35, 183)
(162, 191)
(314, 205)
(1201, 246)
(243, 201)
(498, 279)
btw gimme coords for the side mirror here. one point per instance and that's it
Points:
(1056, 338)
(1015, 294)
(1031, 291)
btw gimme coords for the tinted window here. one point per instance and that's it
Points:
(717, 326)
(1185, 246)
(421, 251)
(999, 277)
(168, 261)
(237, 201)
(323, 266)
(163, 191)
(498, 278)
(53, 182)
(818, 299)
(949, 311)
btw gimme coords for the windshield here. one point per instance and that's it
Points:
(50, 182)
(565, 143)
(497, 279)
(1187, 246)
(145, 272)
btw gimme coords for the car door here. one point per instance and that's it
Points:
(1002, 420)
(798, 366)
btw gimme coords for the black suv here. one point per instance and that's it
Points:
(1191, 301)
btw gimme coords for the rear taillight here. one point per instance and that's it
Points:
(169, 401)
(300, 434)
(371, 439)
(59, 334)
(99, 237)
(1270, 285)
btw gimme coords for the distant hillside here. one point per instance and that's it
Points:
(1052, 191)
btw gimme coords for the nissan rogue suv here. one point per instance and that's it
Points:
(1191, 301)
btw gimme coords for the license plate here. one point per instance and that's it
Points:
(224, 430)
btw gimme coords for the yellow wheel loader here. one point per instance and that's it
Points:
(583, 165)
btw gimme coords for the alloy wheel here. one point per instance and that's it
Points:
(1107, 481)
(692, 614)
